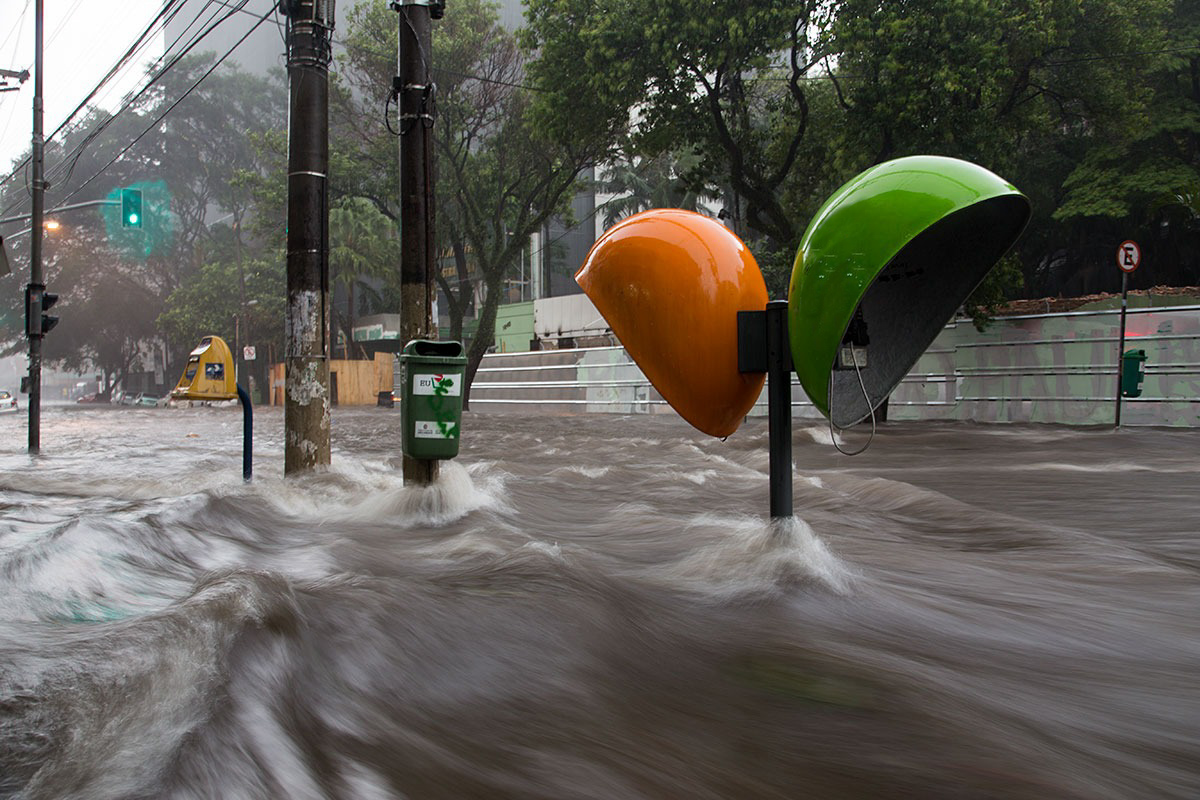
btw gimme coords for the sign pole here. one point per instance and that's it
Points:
(1121, 345)
(1129, 256)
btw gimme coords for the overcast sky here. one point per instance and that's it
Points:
(84, 39)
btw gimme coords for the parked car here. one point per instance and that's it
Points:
(145, 399)
(91, 398)
(8, 401)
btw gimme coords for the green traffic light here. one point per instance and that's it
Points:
(131, 208)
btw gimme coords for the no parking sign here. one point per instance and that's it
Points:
(1129, 255)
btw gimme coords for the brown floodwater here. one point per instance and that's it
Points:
(596, 607)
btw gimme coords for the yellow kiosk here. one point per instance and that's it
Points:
(208, 374)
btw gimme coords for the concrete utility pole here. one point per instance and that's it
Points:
(415, 88)
(307, 400)
(36, 288)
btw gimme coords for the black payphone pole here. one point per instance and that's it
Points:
(763, 346)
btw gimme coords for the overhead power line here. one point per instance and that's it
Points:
(171, 107)
(69, 160)
(169, 7)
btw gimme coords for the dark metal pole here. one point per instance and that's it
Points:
(247, 434)
(307, 401)
(36, 284)
(1121, 345)
(779, 407)
(416, 193)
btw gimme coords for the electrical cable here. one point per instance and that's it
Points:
(863, 386)
(481, 79)
(74, 155)
(138, 44)
(16, 29)
(71, 159)
(170, 108)
(127, 58)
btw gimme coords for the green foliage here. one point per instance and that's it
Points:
(977, 78)
(106, 309)
(499, 177)
(663, 181)
(114, 281)
(1004, 282)
(724, 79)
(210, 304)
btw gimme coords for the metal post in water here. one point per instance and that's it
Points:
(38, 195)
(247, 434)
(414, 88)
(779, 407)
(306, 404)
(1121, 345)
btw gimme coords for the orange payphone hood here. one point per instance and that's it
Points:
(670, 283)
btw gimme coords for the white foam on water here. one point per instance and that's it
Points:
(451, 497)
(700, 477)
(722, 461)
(752, 556)
(819, 434)
(354, 491)
(365, 783)
(587, 472)
(1113, 466)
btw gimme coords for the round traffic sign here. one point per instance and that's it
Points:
(1129, 255)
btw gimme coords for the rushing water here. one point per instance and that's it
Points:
(596, 607)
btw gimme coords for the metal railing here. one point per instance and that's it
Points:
(583, 363)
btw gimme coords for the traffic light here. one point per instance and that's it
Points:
(37, 302)
(48, 321)
(131, 208)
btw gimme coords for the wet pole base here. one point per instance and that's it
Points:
(419, 471)
(763, 346)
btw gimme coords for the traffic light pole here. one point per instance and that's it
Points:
(38, 187)
(55, 210)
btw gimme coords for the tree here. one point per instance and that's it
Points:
(1138, 180)
(106, 318)
(1032, 91)
(726, 79)
(499, 178)
(188, 164)
(364, 246)
(663, 181)
(204, 306)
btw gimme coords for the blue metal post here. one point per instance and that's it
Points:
(247, 434)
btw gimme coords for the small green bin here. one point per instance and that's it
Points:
(431, 399)
(1133, 372)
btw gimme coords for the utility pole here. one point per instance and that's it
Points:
(36, 286)
(307, 400)
(415, 89)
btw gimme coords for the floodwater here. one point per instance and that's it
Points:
(596, 607)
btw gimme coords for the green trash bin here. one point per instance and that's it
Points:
(431, 398)
(1133, 372)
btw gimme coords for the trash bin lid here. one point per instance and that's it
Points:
(432, 350)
